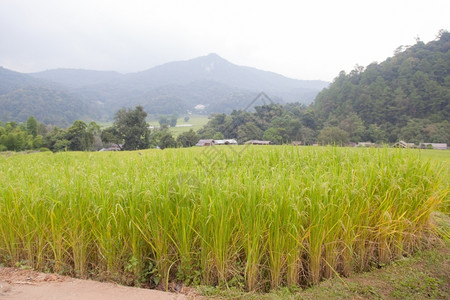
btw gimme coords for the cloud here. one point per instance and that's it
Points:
(300, 39)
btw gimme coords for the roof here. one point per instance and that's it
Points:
(403, 144)
(365, 144)
(258, 142)
(225, 142)
(441, 146)
(204, 142)
(113, 147)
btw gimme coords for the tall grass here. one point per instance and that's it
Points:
(270, 217)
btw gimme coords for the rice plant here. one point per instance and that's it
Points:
(264, 218)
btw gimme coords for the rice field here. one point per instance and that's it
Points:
(268, 217)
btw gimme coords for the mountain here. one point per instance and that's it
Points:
(209, 81)
(76, 78)
(176, 87)
(405, 97)
(10, 81)
(213, 68)
(22, 95)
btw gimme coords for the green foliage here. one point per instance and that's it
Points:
(218, 136)
(164, 121)
(272, 122)
(188, 138)
(333, 136)
(18, 137)
(273, 135)
(248, 131)
(166, 140)
(173, 120)
(32, 126)
(405, 97)
(418, 286)
(94, 131)
(80, 139)
(131, 127)
(162, 138)
(46, 104)
(110, 135)
(56, 140)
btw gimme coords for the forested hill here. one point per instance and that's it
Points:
(177, 87)
(407, 96)
(22, 96)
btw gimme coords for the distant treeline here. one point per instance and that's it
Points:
(38, 136)
(130, 131)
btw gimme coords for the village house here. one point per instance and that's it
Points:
(113, 147)
(257, 142)
(225, 142)
(365, 144)
(403, 144)
(211, 142)
(437, 146)
(206, 142)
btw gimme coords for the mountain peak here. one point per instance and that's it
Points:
(214, 56)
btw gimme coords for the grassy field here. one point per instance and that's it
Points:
(424, 275)
(441, 159)
(197, 122)
(253, 218)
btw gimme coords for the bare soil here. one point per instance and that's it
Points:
(28, 284)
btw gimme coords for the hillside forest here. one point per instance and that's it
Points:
(406, 97)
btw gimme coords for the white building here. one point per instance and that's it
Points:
(438, 146)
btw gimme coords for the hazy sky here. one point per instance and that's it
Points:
(312, 39)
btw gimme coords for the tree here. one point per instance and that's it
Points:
(273, 136)
(173, 121)
(56, 140)
(167, 141)
(131, 127)
(164, 121)
(78, 136)
(375, 134)
(14, 141)
(186, 119)
(218, 136)
(307, 135)
(333, 136)
(206, 133)
(354, 126)
(188, 138)
(37, 142)
(32, 126)
(111, 136)
(414, 84)
(162, 138)
(248, 131)
(95, 133)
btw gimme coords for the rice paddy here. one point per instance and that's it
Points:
(261, 219)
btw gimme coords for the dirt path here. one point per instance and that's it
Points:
(27, 284)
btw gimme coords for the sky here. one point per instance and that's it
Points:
(313, 39)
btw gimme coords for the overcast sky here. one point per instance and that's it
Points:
(312, 39)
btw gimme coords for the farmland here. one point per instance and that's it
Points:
(256, 218)
(197, 121)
